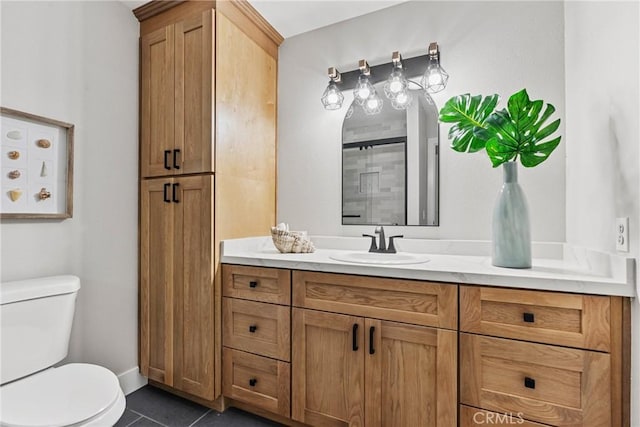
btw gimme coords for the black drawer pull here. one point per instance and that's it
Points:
(528, 317)
(529, 382)
(175, 159)
(253, 328)
(174, 197)
(253, 284)
(165, 192)
(372, 330)
(354, 343)
(166, 159)
(253, 382)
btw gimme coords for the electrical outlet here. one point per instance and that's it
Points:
(622, 234)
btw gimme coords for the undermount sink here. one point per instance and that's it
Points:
(380, 258)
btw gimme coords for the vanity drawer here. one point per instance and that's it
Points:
(257, 327)
(260, 381)
(552, 385)
(257, 283)
(474, 417)
(408, 301)
(570, 320)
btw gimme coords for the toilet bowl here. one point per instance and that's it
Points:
(77, 394)
(36, 317)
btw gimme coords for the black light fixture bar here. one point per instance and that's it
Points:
(413, 67)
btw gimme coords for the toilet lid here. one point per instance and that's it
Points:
(58, 396)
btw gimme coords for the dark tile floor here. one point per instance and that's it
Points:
(152, 407)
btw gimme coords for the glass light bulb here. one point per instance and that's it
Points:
(332, 97)
(435, 78)
(373, 105)
(395, 86)
(402, 100)
(363, 89)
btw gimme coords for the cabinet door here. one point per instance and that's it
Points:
(156, 281)
(157, 102)
(411, 375)
(193, 285)
(193, 151)
(328, 369)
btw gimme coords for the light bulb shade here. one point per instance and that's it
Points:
(332, 97)
(373, 104)
(363, 90)
(434, 78)
(396, 83)
(402, 100)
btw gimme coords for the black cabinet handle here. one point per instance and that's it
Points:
(175, 158)
(354, 344)
(528, 317)
(165, 193)
(166, 159)
(529, 382)
(174, 196)
(372, 331)
(252, 328)
(253, 382)
(253, 284)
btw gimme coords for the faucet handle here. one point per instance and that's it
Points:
(373, 246)
(392, 249)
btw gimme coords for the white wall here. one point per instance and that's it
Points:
(78, 62)
(486, 47)
(602, 42)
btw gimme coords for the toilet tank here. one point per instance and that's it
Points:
(36, 317)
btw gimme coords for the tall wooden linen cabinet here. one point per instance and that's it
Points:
(208, 87)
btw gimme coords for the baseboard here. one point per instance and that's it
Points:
(131, 380)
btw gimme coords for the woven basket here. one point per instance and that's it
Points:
(291, 241)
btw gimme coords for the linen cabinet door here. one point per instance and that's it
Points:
(194, 73)
(411, 375)
(157, 102)
(156, 280)
(327, 369)
(193, 284)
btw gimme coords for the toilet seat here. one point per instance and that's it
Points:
(76, 394)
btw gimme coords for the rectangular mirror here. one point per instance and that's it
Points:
(390, 164)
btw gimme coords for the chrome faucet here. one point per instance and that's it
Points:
(381, 247)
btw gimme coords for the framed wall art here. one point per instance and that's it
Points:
(37, 166)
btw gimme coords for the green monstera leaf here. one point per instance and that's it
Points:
(506, 134)
(517, 131)
(468, 114)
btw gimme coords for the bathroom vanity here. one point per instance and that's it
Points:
(451, 341)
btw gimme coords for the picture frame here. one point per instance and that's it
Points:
(37, 166)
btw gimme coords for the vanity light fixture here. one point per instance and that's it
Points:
(434, 78)
(332, 97)
(396, 86)
(363, 88)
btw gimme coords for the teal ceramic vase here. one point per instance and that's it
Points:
(511, 245)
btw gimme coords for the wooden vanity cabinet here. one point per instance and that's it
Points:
(349, 369)
(176, 283)
(257, 337)
(208, 87)
(177, 78)
(545, 357)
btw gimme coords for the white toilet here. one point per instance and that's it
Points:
(36, 318)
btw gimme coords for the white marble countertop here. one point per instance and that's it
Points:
(556, 266)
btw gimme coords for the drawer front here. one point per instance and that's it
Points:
(257, 283)
(408, 301)
(257, 380)
(570, 320)
(474, 417)
(257, 327)
(552, 385)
